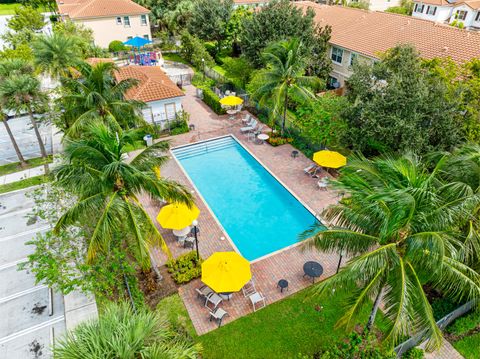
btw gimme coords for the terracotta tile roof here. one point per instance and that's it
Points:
(475, 5)
(372, 32)
(153, 85)
(77, 9)
(248, 2)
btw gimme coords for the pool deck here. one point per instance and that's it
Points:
(285, 264)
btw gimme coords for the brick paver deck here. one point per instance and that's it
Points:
(286, 264)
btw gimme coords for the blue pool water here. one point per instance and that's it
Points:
(258, 213)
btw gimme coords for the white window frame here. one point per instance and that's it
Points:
(419, 8)
(334, 48)
(431, 7)
(118, 20)
(143, 20)
(126, 21)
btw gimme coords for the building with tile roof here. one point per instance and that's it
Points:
(362, 35)
(109, 19)
(465, 14)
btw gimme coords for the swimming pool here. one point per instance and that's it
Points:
(259, 214)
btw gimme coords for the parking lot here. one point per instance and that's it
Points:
(31, 315)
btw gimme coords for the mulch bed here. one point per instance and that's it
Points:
(153, 289)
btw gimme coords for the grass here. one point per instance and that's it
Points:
(220, 70)
(29, 182)
(172, 56)
(9, 9)
(469, 346)
(287, 328)
(15, 167)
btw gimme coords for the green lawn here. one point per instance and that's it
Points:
(283, 329)
(469, 347)
(174, 57)
(8, 9)
(29, 182)
(15, 167)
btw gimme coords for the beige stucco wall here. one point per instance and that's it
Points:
(343, 70)
(105, 29)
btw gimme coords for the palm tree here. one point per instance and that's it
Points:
(55, 55)
(283, 77)
(93, 95)
(398, 224)
(21, 93)
(107, 189)
(121, 333)
(8, 67)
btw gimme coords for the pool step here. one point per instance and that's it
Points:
(204, 147)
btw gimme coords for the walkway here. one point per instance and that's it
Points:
(21, 175)
(286, 264)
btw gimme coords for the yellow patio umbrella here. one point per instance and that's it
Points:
(330, 159)
(226, 272)
(231, 101)
(177, 216)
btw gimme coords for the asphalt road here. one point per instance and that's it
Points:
(29, 319)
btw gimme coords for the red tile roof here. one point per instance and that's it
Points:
(77, 9)
(153, 85)
(372, 32)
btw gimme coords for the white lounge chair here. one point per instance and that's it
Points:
(250, 128)
(247, 119)
(311, 170)
(256, 298)
(323, 183)
(249, 288)
(215, 299)
(204, 292)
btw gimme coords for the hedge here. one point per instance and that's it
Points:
(212, 100)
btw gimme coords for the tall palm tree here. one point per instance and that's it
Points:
(8, 67)
(55, 55)
(21, 93)
(93, 95)
(121, 333)
(283, 77)
(398, 223)
(107, 189)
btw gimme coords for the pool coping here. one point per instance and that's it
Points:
(312, 212)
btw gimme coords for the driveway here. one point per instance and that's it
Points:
(31, 316)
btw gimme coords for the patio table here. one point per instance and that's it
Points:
(313, 270)
(181, 233)
(232, 114)
(263, 137)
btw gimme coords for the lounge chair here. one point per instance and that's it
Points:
(257, 298)
(250, 128)
(215, 299)
(218, 314)
(247, 119)
(311, 170)
(249, 288)
(189, 242)
(204, 292)
(323, 183)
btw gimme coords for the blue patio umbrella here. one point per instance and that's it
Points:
(137, 42)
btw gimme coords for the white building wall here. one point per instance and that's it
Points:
(162, 111)
(106, 29)
(382, 5)
(469, 20)
(442, 14)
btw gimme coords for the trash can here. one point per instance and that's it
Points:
(200, 93)
(148, 140)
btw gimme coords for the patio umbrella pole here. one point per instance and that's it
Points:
(196, 237)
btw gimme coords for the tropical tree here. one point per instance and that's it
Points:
(21, 93)
(108, 187)
(398, 222)
(55, 55)
(8, 67)
(283, 77)
(120, 332)
(93, 95)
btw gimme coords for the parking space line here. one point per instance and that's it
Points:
(31, 329)
(19, 294)
(11, 264)
(31, 231)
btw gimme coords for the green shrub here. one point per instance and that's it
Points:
(194, 51)
(414, 353)
(180, 124)
(212, 100)
(116, 46)
(442, 306)
(185, 268)
(464, 324)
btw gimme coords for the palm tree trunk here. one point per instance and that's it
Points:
(14, 143)
(285, 112)
(39, 139)
(373, 313)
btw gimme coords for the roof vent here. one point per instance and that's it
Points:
(445, 49)
(408, 22)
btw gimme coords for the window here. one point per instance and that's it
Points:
(431, 10)
(146, 37)
(337, 55)
(126, 20)
(477, 18)
(353, 58)
(129, 38)
(332, 83)
(119, 20)
(143, 20)
(419, 8)
(461, 15)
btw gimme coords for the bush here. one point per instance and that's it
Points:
(185, 268)
(276, 140)
(213, 101)
(194, 51)
(414, 353)
(180, 124)
(464, 324)
(116, 46)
